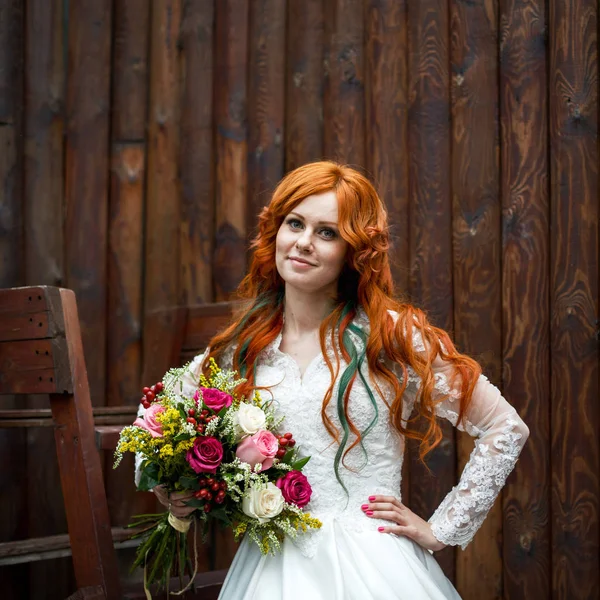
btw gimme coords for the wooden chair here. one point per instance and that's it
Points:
(41, 353)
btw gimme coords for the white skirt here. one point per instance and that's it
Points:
(348, 565)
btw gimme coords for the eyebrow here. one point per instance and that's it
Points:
(318, 222)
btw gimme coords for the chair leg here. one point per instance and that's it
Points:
(88, 520)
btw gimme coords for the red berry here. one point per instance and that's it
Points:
(203, 493)
(283, 441)
(210, 481)
(281, 453)
(145, 390)
(292, 443)
(223, 485)
(145, 403)
(200, 429)
(209, 496)
(204, 413)
(202, 483)
(207, 508)
(215, 487)
(191, 420)
(220, 499)
(159, 386)
(150, 396)
(152, 388)
(191, 412)
(197, 494)
(287, 436)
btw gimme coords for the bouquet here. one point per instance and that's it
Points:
(226, 451)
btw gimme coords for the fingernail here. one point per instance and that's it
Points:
(371, 498)
(365, 506)
(369, 512)
(380, 529)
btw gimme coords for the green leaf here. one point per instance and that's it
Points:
(182, 412)
(297, 466)
(223, 411)
(287, 457)
(221, 515)
(181, 437)
(189, 483)
(150, 477)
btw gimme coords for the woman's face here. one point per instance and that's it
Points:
(310, 252)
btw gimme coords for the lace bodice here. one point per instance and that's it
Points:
(491, 419)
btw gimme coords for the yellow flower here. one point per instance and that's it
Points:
(166, 451)
(170, 421)
(183, 447)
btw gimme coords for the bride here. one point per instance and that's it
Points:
(348, 364)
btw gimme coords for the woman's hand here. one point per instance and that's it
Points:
(175, 501)
(404, 521)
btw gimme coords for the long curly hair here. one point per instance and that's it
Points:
(366, 282)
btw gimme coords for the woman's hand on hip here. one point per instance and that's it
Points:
(403, 521)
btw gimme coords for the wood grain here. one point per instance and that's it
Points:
(476, 244)
(266, 95)
(304, 82)
(231, 143)
(573, 111)
(196, 151)
(387, 158)
(131, 28)
(525, 292)
(162, 281)
(86, 177)
(344, 102)
(13, 502)
(430, 217)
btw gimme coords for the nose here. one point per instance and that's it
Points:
(304, 241)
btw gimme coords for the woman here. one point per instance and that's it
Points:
(347, 364)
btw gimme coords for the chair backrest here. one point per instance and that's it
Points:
(189, 330)
(41, 353)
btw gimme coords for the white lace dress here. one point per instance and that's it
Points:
(348, 558)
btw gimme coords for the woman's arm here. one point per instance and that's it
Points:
(500, 436)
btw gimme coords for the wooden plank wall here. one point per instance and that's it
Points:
(139, 140)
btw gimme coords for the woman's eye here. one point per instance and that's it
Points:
(328, 233)
(294, 223)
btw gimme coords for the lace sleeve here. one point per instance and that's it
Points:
(500, 436)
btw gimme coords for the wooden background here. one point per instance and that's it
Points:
(139, 138)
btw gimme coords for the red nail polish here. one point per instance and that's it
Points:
(371, 498)
(365, 506)
(369, 512)
(380, 529)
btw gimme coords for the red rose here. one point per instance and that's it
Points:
(295, 488)
(215, 399)
(205, 455)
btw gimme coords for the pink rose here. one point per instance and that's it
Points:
(215, 399)
(149, 422)
(295, 488)
(205, 455)
(258, 448)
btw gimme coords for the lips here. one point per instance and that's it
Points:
(301, 261)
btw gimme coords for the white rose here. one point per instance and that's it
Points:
(263, 504)
(248, 420)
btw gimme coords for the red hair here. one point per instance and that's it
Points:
(365, 281)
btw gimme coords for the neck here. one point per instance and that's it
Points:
(303, 311)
